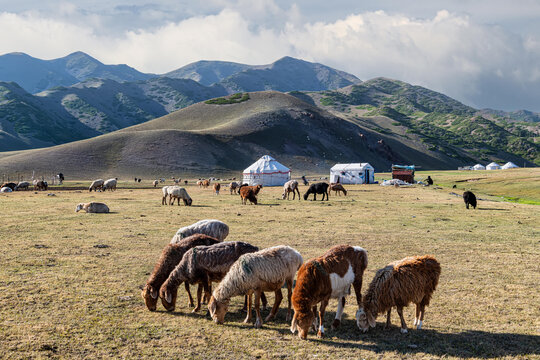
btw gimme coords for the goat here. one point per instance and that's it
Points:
(412, 279)
(320, 279)
(317, 188)
(288, 187)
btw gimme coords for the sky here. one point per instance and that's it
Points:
(485, 53)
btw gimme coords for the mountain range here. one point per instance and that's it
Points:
(398, 122)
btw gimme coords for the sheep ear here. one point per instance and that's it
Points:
(168, 297)
(371, 320)
(153, 292)
(294, 326)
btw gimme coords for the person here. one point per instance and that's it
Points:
(304, 179)
(429, 180)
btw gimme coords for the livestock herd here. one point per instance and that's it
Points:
(197, 254)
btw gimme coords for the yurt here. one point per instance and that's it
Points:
(355, 173)
(509, 165)
(266, 172)
(479, 167)
(493, 166)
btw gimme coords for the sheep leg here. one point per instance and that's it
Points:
(320, 333)
(207, 294)
(388, 323)
(275, 308)
(264, 301)
(190, 303)
(422, 311)
(258, 318)
(314, 196)
(289, 295)
(403, 324)
(248, 317)
(339, 313)
(298, 191)
(199, 296)
(170, 196)
(417, 315)
(315, 324)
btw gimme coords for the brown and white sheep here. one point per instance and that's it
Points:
(93, 207)
(289, 187)
(328, 276)
(217, 187)
(155, 183)
(233, 187)
(210, 227)
(264, 270)
(177, 193)
(96, 185)
(202, 265)
(412, 279)
(338, 188)
(170, 257)
(249, 193)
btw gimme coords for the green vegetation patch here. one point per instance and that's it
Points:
(232, 99)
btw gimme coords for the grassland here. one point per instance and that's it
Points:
(63, 297)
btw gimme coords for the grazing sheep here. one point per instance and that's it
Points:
(470, 199)
(412, 279)
(170, 257)
(199, 183)
(96, 185)
(93, 207)
(249, 193)
(10, 185)
(210, 227)
(161, 180)
(217, 187)
(164, 190)
(23, 185)
(6, 189)
(110, 184)
(205, 184)
(289, 187)
(185, 182)
(156, 182)
(177, 192)
(328, 276)
(233, 187)
(264, 270)
(338, 188)
(317, 188)
(202, 265)
(41, 185)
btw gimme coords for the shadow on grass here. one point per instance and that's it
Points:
(492, 209)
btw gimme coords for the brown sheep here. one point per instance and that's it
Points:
(40, 185)
(249, 193)
(205, 184)
(233, 187)
(338, 188)
(217, 187)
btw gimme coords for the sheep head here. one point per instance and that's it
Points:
(168, 297)
(301, 322)
(306, 195)
(365, 319)
(150, 296)
(218, 309)
(79, 207)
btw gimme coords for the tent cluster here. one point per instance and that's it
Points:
(494, 166)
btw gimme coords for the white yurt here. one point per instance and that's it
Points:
(266, 172)
(493, 166)
(355, 173)
(509, 165)
(479, 167)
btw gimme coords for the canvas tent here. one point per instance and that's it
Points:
(493, 166)
(479, 167)
(509, 165)
(266, 172)
(356, 173)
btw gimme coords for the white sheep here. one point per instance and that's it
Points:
(92, 207)
(177, 192)
(110, 184)
(210, 227)
(96, 185)
(264, 270)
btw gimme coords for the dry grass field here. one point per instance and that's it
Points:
(61, 296)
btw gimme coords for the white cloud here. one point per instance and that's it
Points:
(447, 52)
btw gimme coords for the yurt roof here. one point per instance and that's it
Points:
(267, 165)
(351, 167)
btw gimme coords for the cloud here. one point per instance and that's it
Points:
(481, 65)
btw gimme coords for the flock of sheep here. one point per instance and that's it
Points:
(23, 185)
(197, 254)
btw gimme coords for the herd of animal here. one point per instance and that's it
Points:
(197, 254)
(39, 185)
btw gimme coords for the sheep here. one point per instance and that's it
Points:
(470, 199)
(185, 182)
(199, 183)
(92, 207)
(96, 185)
(249, 193)
(412, 279)
(155, 183)
(161, 180)
(10, 185)
(41, 185)
(317, 188)
(210, 227)
(205, 183)
(170, 257)
(177, 192)
(320, 279)
(5, 189)
(264, 270)
(23, 185)
(110, 184)
(202, 265)
(217, 187)
(338, 188)
(288, 187)
(233, 187)
(164, 190)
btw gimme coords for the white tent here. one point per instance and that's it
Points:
(493, 166)
(266, 172)
(479, 167)
(357, 173)
(509, 165)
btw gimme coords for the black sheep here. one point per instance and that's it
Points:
(317, 188)
(470, 199)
